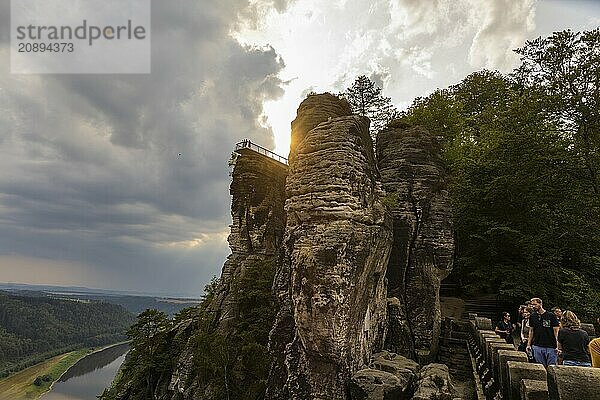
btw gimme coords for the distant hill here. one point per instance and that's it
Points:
(33, 328)
(135, 304)
(132, 301)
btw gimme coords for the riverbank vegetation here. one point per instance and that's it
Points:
(33, 329)
(22, 385)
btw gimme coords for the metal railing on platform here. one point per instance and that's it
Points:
(247, 144)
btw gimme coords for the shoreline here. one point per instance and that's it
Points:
(20, 384)
(76, 361)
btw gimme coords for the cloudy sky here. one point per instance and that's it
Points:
(121, 181)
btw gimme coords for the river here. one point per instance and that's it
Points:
(87, 378)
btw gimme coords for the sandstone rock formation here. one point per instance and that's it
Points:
(399, 337)
(373, 384)
(256, 233)
(179, 382)
(361, 244)
(434, 383)
(337, 242)
(258, 221)
(390, 376)
(414, 179)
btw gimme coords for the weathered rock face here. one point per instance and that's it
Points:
(434, 383)
(414, 179)
(313, 111)
(179, 385)
(360, 247)
(337, 241)
(258, 221)
(398, 338)
(258, 197)
(390, 376)
(373, 384)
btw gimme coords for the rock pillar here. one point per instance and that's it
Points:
(337, 241)
(414, 179)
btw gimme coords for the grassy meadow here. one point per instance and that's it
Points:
(20, 386)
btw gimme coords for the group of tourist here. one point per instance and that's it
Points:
(550, 337)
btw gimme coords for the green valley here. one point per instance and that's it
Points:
(34, 329)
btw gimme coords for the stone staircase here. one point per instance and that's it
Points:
(487, 307)
(490, 306)
(453, 348)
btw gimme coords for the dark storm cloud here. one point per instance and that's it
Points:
(127, 174)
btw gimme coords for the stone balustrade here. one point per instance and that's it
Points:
(534, 390)
(573, 383)
(505, 373)
(504, 356)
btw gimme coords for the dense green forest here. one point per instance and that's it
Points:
(523, 155)
(35, 328)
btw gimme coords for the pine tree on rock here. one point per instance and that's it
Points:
(366, 99)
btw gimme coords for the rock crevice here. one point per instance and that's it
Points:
(414, 179)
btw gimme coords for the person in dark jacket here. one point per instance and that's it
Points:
(573, 341)
(505, 328)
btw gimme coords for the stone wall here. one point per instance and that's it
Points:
(506, 373)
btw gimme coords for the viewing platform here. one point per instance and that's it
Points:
(246, 144)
